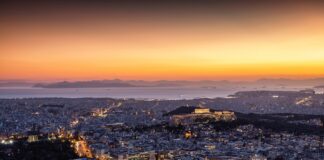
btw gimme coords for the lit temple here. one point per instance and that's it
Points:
(188, 115)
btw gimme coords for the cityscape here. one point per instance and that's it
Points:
(162, 80)
(249, 125)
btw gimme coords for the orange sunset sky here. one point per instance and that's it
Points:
(166, 41)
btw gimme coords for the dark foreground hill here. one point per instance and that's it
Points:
(42, 150)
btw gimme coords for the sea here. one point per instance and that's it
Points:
(170, 93)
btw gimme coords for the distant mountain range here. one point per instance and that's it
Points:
(166, 83)
(315, 82)
(85, 84)
(282, 81)
(322, 86)
(130, 83)
(15, 83)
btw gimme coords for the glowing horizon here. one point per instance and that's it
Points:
(278, 42)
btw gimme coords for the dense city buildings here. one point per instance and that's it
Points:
(249, 125)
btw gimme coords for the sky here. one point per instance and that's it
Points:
(154, 40)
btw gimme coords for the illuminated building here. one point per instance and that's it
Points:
(163, 156)
(202, 110)
(210, 146)
(188, 134)
(258, 157)
(188, 115)
(149, 155)
(32, 136)
(100, 112)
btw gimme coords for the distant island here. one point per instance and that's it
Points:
(84, 84)
(319, 87)
(209, 84)
(128, 83)
(180, 83)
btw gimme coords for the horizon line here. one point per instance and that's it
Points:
(156, 80)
